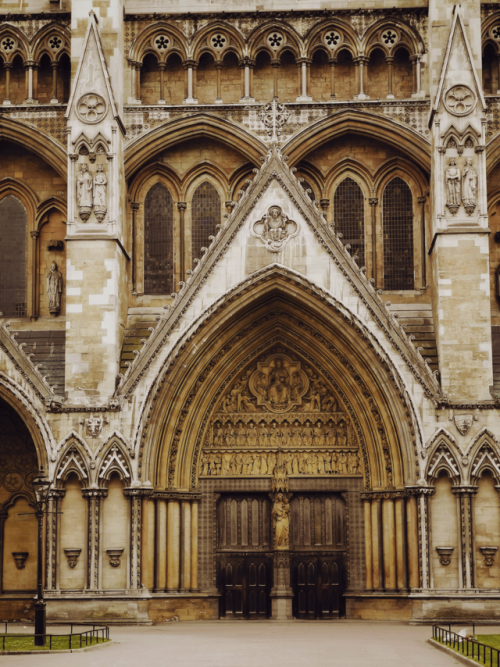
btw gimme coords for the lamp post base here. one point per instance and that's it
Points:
(40, 622)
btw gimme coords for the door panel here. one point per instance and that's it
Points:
(245, 583)
(317, 584)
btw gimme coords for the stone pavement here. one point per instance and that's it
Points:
(257, 644)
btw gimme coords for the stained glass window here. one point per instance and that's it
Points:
(13, 257)
(349, 217)
(158, 241)
(206, 214)
(397, 209)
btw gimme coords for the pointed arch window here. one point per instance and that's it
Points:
(13, 257)
(158, 241)
(397, 210)
(205, 215)
(349, 215)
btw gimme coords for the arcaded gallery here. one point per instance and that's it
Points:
(250, 310)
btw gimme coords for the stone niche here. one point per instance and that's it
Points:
(280, 403)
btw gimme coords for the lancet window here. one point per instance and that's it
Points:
(348, 206)
(158, 241)
(397, 210)
(206, 214)
(13, 257)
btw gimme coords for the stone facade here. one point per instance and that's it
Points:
(250, 286)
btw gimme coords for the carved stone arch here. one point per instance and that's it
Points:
(22, 45)
(314, 42)
(237, 180)
(169, 448)
(31, 412)
(204, 125)
(309, 172)
(485, 457)
(23, 192)
(486, 26)
(205, 170)
(490, 42)
(84, 145)
(349, 168)
(439, 434)
(484, 435)
(442, 458)
(293, 41)
(199, 43)
(118, 439)
(142, 40)
(73, 437)
(154, 173)
(493, 200)
(361, 123)
(114, 459)
(397, 166)
(406, 34)
(492, 153)
(15, 497)
(46, 207)
(72, 459)
(38, 46)
(36, 141)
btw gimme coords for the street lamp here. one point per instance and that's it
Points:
(41, 485)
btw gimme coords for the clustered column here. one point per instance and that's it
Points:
(176, 542)
(391, 541)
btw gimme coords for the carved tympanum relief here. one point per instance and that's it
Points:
(280, 406)
(275, 229)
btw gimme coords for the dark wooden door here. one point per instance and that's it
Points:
(317, 583)
(245, 582)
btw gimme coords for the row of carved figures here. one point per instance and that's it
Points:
(283, 435)
(296, 463)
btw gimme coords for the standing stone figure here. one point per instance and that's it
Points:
(453, 199)
(54, 289)
(281, 514)
(100, 187)
(84, 193)
(469, 186)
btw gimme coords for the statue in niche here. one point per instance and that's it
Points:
(469, 186)
(454, 198)
(252, 435)
(54, 289)
(279, 383)
(100, 187)
(84, 193)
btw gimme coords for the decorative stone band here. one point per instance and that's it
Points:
(418, 490)
(464, 489)
(94, 493)
(138, 492)
(178, 495)
(384, 495)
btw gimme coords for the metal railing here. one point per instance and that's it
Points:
(95, 635)
(487, 655)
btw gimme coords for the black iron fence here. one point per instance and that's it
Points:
(94, 635)
(487, 655)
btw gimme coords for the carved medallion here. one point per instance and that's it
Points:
(460, 100)
(275, 229)
(91, 108)
(279, 383)
(463, 423)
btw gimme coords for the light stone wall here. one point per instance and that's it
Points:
(73, 528)
(21, 528)
(115, 535)
(445, 533)
(487, 531)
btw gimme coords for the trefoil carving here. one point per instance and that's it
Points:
(275, 229)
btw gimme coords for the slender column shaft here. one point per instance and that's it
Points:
(377, 559)
(401, 551)
(190, 82)
(368, 546)
(35, 82)
(275, 63)
(194, 546)
(389, 531)
(161, 545)
(55, 67)
(389, 60)
(7, 67)
(421, 201)
(373, 205)
(247, 81)
(412, 533)
(138, 80)
(148, 544)
(361, 78)
(161, 67)
(304, 79)
(186, 546)
(218, 67)
(173, 544)
(182, 206)
(34, 276)
(332, 62)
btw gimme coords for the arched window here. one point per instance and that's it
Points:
(206, 214)
(158, 241)
(397, 210)
(13, 257)
(349, 216)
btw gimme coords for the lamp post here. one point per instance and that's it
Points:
(41, 485)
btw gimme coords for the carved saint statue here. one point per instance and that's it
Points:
(281, 514)
(279, 383)
(453, 199)
(100, 187)
(54, 289)
(84, 193)
(469, 186)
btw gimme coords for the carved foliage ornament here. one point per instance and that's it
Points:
(275, 229)
(460, 100)
(91, 108)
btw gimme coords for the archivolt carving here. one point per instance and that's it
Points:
(486, 458)
(443, 459)
(114, 460)
(72, 461)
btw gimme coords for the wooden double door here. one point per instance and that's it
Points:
(317, 582)
(245, 584)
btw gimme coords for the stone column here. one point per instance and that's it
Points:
(7, 67)
(173, 545)
(247, 64)
(373, 207)
(28, 66)
(138, 67)
(134, 207)
(390, 61)
(275, 63)
(3, 517)
(377, 544)
(182, 206)
(94, 499)
(186, 545)
(465, 494)
(401, 542)
(304, 64)
(160, 583)
(281, 592)
(218, 67)
(147, 578)
(421, 495)
(52, 524)
(421, 201)
(162, 66)
(366, 497)
(412, 540)
(332, 61)
(55, 69)
(34, 275)
(194, 545)
(136, 496)
(189, 66)
(359, 63)
(389, 543)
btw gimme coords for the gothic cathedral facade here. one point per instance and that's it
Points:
(231, 246)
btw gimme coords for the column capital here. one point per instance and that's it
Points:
(162, 65)
(360, 59)
(8, 65)
(418, 490)
(247, 62)
(464, 489)
(193, 496)
(422, 199)
(389, 60)
(275, 62)
(182, 205)
(134, 206)
(34, 234)
(138, 492)
(94, 493)
(190, 62)
(373, 201)
(332, 60)
(303, 60)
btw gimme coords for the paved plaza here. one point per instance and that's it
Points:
(257, 644)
